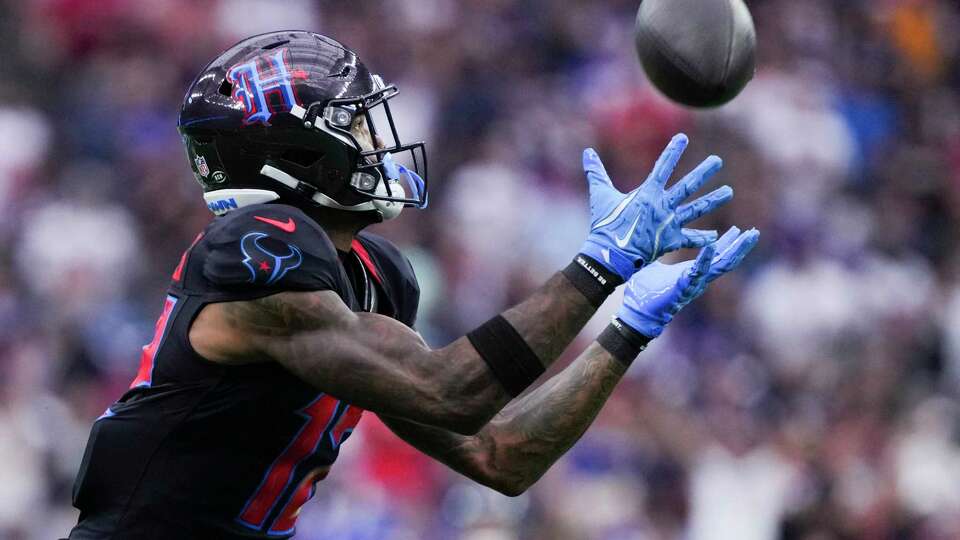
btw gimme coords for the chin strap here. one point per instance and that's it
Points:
(222, 201)
(386, 209)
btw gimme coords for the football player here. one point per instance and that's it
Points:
(284, 322)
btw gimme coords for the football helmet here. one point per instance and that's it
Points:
(295, 116)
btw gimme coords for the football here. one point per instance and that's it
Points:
(700, 53)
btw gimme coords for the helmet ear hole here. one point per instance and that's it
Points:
(226, 88)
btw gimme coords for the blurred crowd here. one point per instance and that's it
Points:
(812, 394)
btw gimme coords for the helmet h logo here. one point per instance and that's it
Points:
(252, 85)
(264, 265)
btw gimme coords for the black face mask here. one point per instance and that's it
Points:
(394, 171)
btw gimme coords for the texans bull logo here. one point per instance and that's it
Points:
(265, 265)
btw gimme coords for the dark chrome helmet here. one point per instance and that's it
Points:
(294, 116)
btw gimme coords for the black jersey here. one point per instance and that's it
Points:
(196, 449)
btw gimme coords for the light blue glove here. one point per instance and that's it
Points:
(631, 230)
(656, 293)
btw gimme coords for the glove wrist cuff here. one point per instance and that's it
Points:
(623, 342)
(612, 260)
(591, 278)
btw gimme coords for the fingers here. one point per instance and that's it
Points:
(727, 239)
(697, 238)
(733, 255)
(596, 173)
(692, 182)
(668, 160)
(704, 205)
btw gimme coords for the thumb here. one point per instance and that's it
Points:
(701, 266)
(694, 280)
(593, 167)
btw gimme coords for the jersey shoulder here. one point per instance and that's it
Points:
(267, 248)
(394, 273)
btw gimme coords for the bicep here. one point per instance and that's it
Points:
(367, 359)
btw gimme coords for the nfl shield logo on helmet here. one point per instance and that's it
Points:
(202, 166)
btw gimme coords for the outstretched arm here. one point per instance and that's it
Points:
(511, 452)
(378, 363)
(521, 442)
(382, 366)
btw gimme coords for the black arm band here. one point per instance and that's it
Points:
(509, 357)
(591, 278)
(622, 342)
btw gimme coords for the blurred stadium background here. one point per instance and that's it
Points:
(810, 395)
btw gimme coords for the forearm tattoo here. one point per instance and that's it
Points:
(529, 435)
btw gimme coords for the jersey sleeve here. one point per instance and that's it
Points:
(265, 249)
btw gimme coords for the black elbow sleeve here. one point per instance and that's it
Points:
(507, 354)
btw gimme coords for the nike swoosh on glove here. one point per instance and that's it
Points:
(656, 293)
(630, 230)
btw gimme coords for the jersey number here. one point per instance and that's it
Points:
(326, 417)
(145, 373)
